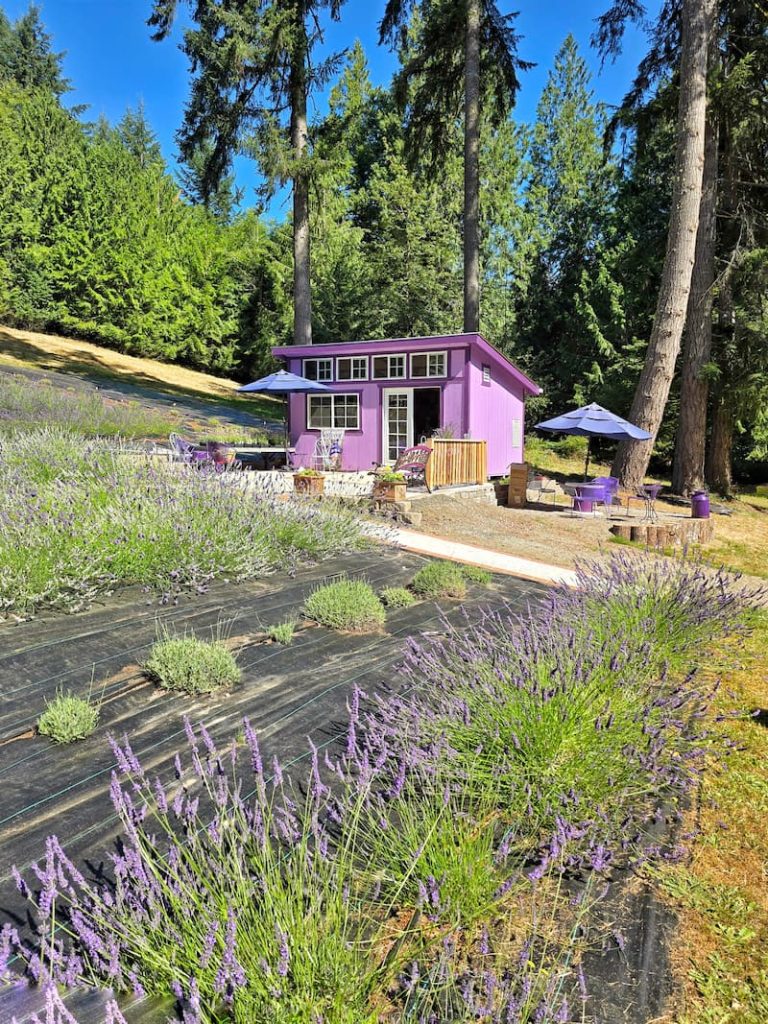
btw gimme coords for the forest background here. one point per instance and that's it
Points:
(100, 239)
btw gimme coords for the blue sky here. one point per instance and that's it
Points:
(113, 64)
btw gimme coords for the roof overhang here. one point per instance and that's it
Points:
(386, 345)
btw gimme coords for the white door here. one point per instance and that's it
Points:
(397, 430)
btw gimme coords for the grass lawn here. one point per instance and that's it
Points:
(720, 892)
(105, 366)
(741, 539)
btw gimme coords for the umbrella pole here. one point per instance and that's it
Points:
(285, 424)
(586, 464)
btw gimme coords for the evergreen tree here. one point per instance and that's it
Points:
(138, 138)
(459, 56)
(26, 56)
(652, 392)
(252, 60)
(222, 199)
(573, 306)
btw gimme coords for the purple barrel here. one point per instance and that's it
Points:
(700, 505)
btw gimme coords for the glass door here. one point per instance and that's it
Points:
(397, 433)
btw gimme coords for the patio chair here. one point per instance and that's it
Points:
(611, 485)
(329, 449)
(188, 453)
(412, 463)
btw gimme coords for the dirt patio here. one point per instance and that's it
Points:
(550, 534)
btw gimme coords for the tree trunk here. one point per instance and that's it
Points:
(302, 296)
(652, 390)
(472, 169)
(691, 439)
(720, 447)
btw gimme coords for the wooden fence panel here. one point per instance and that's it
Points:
(457, 461)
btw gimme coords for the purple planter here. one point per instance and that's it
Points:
(700, 505)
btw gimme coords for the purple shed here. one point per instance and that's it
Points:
(388, 395)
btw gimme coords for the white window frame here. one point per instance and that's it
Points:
(430, 376)
(318, 359)
(389, 357)
(362, 359)
(333, 396)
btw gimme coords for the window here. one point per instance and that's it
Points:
(486, 374)
(352, 368)
(388, 367)
(333, 411)
(318, 369)
(517, 433)
(428, 364)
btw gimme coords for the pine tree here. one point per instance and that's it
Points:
(222, 199)
(573, 306)
(138, 138)
(461, 58)
(652, 392)
(26, 56)
(252, 60)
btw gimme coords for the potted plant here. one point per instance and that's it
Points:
(308, 482)
(389, 486)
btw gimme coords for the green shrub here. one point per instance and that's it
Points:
(68, 718)
(440, 579)
(349, 605)
(282, 633)
(397, 597)
(191, 665)
(475, 574)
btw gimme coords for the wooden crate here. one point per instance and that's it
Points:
(518, 482)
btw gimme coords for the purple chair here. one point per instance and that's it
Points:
(611, 485)
(188, 453)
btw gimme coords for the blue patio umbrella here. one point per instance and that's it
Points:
(594, 421)
(284, 383)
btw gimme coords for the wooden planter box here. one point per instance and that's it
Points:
(386, 491)
(311, 486)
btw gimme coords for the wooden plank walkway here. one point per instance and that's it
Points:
(289, 694)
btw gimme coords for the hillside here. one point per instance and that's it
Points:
(160, 386)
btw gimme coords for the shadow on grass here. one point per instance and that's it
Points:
(86, 365)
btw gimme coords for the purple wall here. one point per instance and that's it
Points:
(496, 412)
(468, 404)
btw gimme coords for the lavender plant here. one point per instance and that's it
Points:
(282, 632)
(191, 665)
(440, 579)
(80, 518)
(245, 911)
(525, 748)
(68, 718)
(397, 597)
(475, 574)
(80, 411)
(349, 605)
(575, 734)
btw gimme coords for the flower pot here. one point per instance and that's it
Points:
(389, 490)
(309, 485)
